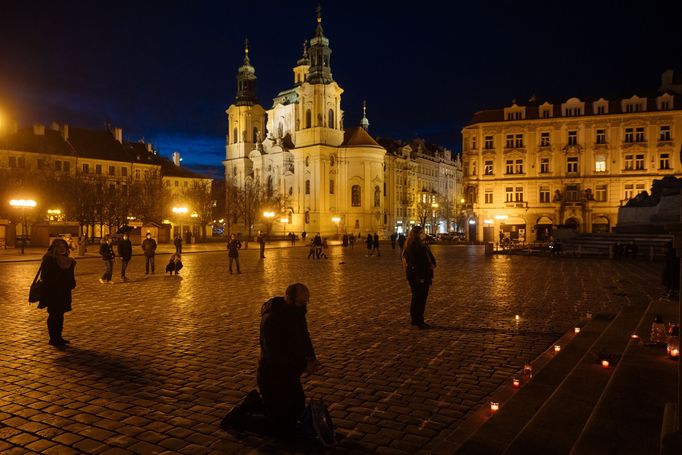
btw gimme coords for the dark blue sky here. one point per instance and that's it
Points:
(164, 71)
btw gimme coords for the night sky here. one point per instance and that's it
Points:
(165, 71)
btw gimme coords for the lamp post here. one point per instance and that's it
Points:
(269, 216)
(53, 214)
(179, 212)
(23, 204)
(284, 220)
(434, 207)
(336, 220)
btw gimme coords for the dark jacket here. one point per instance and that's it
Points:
(125, 249)
(233, 247)
(106, 251)
(419, 264)
(317, 240)
(285, 342)
(376, 241)
(55, 293)
(177, 241)
(149, 247)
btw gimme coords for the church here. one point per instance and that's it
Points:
(330, 178)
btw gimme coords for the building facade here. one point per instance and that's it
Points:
(329, 178)
(529, 168)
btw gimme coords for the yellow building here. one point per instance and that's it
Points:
(529, 168)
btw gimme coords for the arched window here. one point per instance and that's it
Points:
(255, 134)
(331, 187)
(377, 197)
(307, 187)
(355, 196)
(235, 138)
(330, 119)
(308, 118)
(280, 130)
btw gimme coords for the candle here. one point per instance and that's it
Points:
(634, 337)
(588, 315)
(517, 317)
(516, 383)
(605, 363)
(557, 348)
(494, 406)
(674, 352)
(528, 370)
(576, 330)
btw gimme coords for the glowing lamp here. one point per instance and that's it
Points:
(576, 330)
(516, 382)
(605, 363)
(517, 317)
(557, 348)
(22, 203)
(494, 406)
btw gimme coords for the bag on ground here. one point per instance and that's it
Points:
(316, 423)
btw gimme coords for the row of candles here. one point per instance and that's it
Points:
(528, 368)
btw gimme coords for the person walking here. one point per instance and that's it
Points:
(401, 241)
(351, 241)
(106, 250)
(149, 248)
(317, 243)
(286, 352)
(419, 263)
(178, 244)
(58, 278)
(233, 247)
(394, 237)
(125, 252)
(375, 244)
(261, 244)
(369, 241)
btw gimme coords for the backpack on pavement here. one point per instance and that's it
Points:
(316, 423)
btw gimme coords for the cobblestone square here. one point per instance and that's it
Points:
(155, 363)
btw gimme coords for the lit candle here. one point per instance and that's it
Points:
(557, 348)
(517, 317)
(528, 370)
(494, 406)
(605, 363)
(588, 315)
(634, 337)
(674, 353)
(516, 383)
(576, 330)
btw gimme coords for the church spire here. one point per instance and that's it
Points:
(246, 81)
(364, 122)
(320, 53)
(304, 60)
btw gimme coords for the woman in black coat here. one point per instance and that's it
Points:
(58, 280)
(419, 264)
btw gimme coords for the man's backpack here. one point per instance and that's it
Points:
(316, 423)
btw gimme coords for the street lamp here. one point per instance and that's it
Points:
(179, 212)
(23, 204)
(284, 220)
(269, 216)
(336, 220)
(53, 214)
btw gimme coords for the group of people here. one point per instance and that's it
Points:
(125, 253)
(318, 247)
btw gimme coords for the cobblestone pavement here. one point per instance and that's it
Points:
(155, 363)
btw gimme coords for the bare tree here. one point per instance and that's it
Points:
(200, 198)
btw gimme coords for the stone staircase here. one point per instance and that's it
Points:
(572, 404)
(649, 246)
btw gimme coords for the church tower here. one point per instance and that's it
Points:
(320, 111)
(245, 124)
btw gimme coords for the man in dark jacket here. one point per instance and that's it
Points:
(286, 352)
(125, 252)
(233, 247)
(149, 248)
(108, 256)
(178, 244)
(261, 244)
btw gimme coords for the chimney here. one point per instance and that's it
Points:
(65, 132)
(38, 129)
(54, 126)
(671, 81)
(118, 135)
(176, 158)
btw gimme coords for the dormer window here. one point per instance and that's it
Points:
(515, 112)
(664, 102)
(600, 107)
(545, 110)
(633, 104)
(573, 108)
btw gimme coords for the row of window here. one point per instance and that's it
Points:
(632, 135)
(355, 192)
(632, 162)
(19, 162)
(571, 194)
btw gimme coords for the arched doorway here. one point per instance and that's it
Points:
(600, 224)
(572, 223)
(472, 229)
(543, 228)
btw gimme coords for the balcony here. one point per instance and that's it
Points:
(516, 205)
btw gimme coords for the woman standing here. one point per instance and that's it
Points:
(55, 294)
(419, 264)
